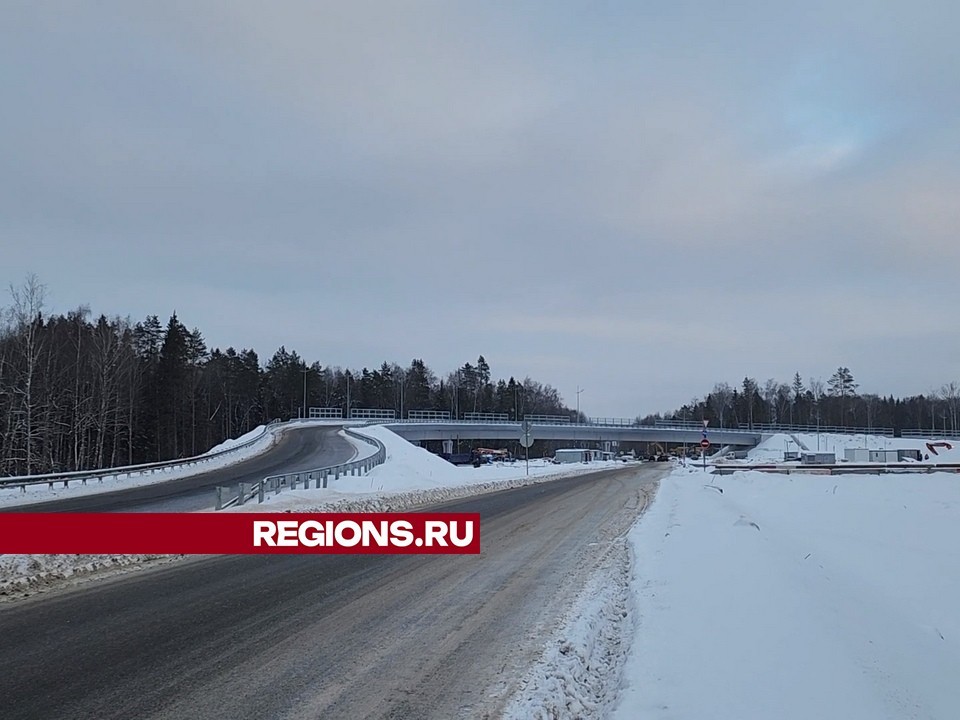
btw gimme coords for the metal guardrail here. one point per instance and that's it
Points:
(486, 417)
(129, 470)
(922, 434)
(424, 415)
(548, 419)
(835, 429)
(319, 476)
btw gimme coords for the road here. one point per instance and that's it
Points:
(285, 637)
(297, 449)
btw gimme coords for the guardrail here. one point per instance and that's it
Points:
(319, 476)
(834, 429)
(920, 433)
(130, 470)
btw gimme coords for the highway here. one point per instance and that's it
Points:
(288, 637)
(297, 449)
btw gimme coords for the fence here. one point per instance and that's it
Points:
(372, 414)
(548, 419)
(486, 417)
(325, 413)
(319, 477)
(921, 434)
(129, 470)
(428, 415)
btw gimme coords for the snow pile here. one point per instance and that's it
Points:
(234, 442)
(578, 674)
(797, 597)
(22, 575)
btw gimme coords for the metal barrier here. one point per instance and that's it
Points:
(372, 414)
(921, 434)
(612, 422)
(547, 419)
(325, 413)
(428, 415)
(486, 417)
(318, 476)
(833, 429)
(130, 470)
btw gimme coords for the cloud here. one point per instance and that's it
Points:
(640, 199)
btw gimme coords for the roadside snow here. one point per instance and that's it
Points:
(796, 597)
(579, 673)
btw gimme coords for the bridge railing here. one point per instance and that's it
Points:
(486, 417)
(82, 476)
(833, 429)
(246, 492)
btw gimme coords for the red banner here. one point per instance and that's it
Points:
(239, 533)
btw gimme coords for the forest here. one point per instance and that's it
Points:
(831, 403)
(78, 392)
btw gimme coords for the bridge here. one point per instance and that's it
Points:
(594, 431)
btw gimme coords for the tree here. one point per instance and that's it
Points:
(27, 315)
(720, 401)
(841, 385)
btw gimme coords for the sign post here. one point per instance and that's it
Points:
(526, 439)
(704, 444)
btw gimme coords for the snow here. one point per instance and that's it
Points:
(814, 596)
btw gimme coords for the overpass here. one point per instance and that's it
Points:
(668, 434)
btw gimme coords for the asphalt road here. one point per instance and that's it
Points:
(283, 637)
(297, 449)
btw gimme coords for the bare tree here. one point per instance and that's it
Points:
(28, 303)
(721, 399)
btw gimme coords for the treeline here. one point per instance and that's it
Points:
(79, 393)
(835, 403)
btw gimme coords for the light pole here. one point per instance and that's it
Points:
(305, 371)
(348, 394)
(579, 390)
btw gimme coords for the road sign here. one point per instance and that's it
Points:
(526, 440)
(704, 443)
(526, 426)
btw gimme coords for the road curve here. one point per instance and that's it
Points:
(303, 448)
(284, 637)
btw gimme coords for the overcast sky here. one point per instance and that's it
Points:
(639, 198)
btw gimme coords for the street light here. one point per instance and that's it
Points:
(305, 371)
(579, 390)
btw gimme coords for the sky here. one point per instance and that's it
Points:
(638, 199)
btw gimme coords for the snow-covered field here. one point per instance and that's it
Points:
(796, 597)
